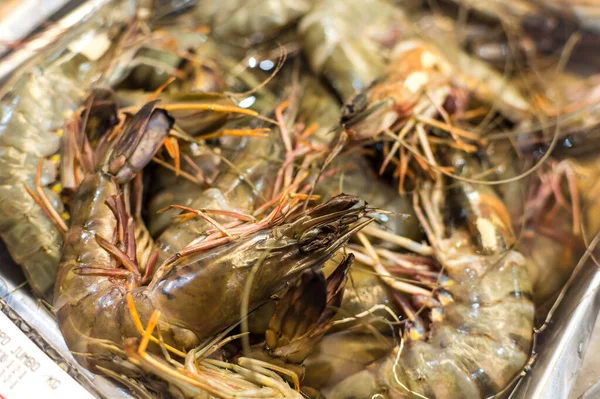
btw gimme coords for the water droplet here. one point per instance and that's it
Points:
(266, 65)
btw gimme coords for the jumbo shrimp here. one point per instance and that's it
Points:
(92, 291)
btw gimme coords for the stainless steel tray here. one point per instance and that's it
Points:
(73, 19)
(560, 348)
(21, 17)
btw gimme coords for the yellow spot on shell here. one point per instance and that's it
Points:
(65, 216)
(57, 188)
(448, 283)
(55, 158)
(60, 132)
(415, 335)
(437, 315)
(445, 300)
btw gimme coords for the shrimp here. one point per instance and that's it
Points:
(417, 77)
(551, 252)
(365, 292)
(202, 164)
(249, 22)
(405, 92)
(253, 176)
(525, 30)
(485, 40)
(534, 205)
(186, 58)
(91, 291)
(198, 160)
(346, 42)
(569, 100)
(559, 220)
(288, 340)
(343, 354)
(482, 327)
(351, 44)
(353, 175)
(548, 207)
(32, 114)
(229, 192)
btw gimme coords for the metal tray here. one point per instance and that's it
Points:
(560, 347)
(21, 17)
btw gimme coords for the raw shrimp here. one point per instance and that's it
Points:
(550, 252)
(249, 22)
(246, 182)
(249, 178)
(422, 81)
(346, 41)
(297, 325)
(342, 354)
(567, 99)
(202, 164)
(351, 59)
(352, 174)
(199, 162)
(91, 292)
(480, 333)
(32, 114)
(508, 13)
(365, 292)
(526, 30)
(486, 40)
(559, 220)
(187, 57)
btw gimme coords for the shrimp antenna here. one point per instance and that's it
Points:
(280, 62)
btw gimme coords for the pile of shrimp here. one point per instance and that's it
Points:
(318, 199)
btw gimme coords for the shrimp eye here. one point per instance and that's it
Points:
(355, 105)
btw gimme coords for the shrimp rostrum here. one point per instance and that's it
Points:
(103, 295)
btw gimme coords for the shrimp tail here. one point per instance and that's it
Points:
(142, 137)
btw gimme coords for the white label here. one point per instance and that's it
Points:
(27, 372)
